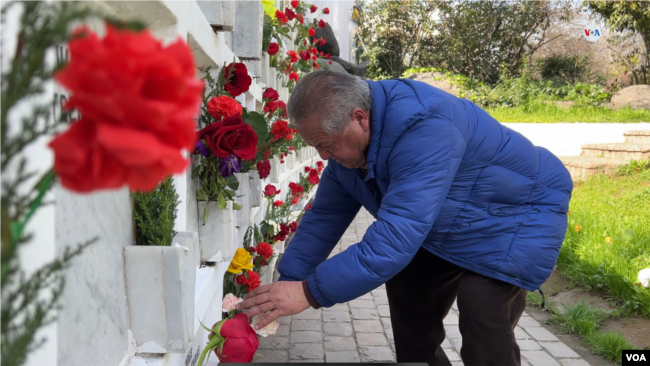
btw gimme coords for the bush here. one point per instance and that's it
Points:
(154, 213)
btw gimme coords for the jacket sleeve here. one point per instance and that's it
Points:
(320, 229)
(421, 167)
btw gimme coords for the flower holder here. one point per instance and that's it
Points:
(275, 170)
(242, 197)
(160, 284)
(217, 236)
(256, 186)
(220, 14)
(247, 36)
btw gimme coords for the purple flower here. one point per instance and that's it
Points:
(200, 146)
(229, 165)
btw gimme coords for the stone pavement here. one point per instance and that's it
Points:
(360, 330)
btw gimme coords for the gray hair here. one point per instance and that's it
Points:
(331, 97)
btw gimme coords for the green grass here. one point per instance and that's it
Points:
(608, 344)
(612, 243)
(549, 113)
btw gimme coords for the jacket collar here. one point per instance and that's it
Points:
(378, 108)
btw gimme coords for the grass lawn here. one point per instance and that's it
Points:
(608, 240)
(549, 113)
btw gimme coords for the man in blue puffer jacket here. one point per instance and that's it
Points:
(466, 208)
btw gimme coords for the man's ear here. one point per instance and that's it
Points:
(363, 117)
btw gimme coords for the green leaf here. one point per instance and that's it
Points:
(201, 195)
(228, 193)
(222, 202)
(205, 214)
(236, 206)
(259, 125)
(232, 182)
(196, 171)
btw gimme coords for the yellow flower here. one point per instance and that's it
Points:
(578, 228)
(269, 8)
(609, 239)
(241, 262)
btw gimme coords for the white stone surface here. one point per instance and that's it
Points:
(247, 37)
(160, 294)
(242, 197)
(566, 139)
(218, 234)
(220, 14)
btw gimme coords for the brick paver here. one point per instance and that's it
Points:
(360, 330)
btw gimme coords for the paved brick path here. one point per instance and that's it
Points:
(360, 330)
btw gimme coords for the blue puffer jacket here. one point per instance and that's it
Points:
(443, 175)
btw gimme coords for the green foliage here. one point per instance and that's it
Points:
(609, 344)
(154, 213)
(579, 318)
(569, 68)
(29, 301)
(617, 208)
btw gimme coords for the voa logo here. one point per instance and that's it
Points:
(591, 32)
(635, 357)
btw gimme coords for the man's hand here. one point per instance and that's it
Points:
(284, 298)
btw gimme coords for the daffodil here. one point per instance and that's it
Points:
(578, 228)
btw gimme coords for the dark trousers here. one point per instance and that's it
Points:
(421, 295)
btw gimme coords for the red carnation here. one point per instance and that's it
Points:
(319, 163)
(290, 148)
(253, 280)
(281, 130)
(293, 226)
(293, 56)
(305, 55)
(155, 99)
(313, 177)
(270, 191)
(315, 57)
(263, 169)
(270, 94)
(295, 200)
(330, 62)
(283, 107)
(300, 18)
(328, 56)
(308, 206)
(293, 76)
(307, 169)
(232, 136)
(273, 49)
(312, 32)
(322, 41)
(281, 17)
(320, 169)
(223, 106)
(265, 250)
(252, 249)
(278, 203)
(289, 13)
(321, 23)
(295, 3)
(239, 81)
(313, 8)
(326, 10)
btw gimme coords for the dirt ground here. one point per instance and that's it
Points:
(561, 290)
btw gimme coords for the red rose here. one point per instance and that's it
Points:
(305, 55)
(236, 342)
(253, 280)
(330, 62)
(252, 249)
(263, 169)
(328, 56)
(326, 10)
(92, 155)
(322, 53)
(284, 229)
(321, 23)
(290, 148)
(312, 32)
(319, 163)
(264, 250)
(307, 169)
(281, 130)
(281, 17)
(239, 80)
(295, 3)
(320, 169)
(278, 203)
(273, 49)
(308, 206)
(295, 200)
(322, 41)
(315, 57)
(313, 8)
(293, 226)
(300, 18)
(293, 76)
(232, 136)
(289, 13)
(270, 94)
(270, 191)
(293, 56)
(313, 177)
(223, 106)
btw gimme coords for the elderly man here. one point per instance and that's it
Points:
(466, 209)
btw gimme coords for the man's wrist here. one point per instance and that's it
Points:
(309, 296)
